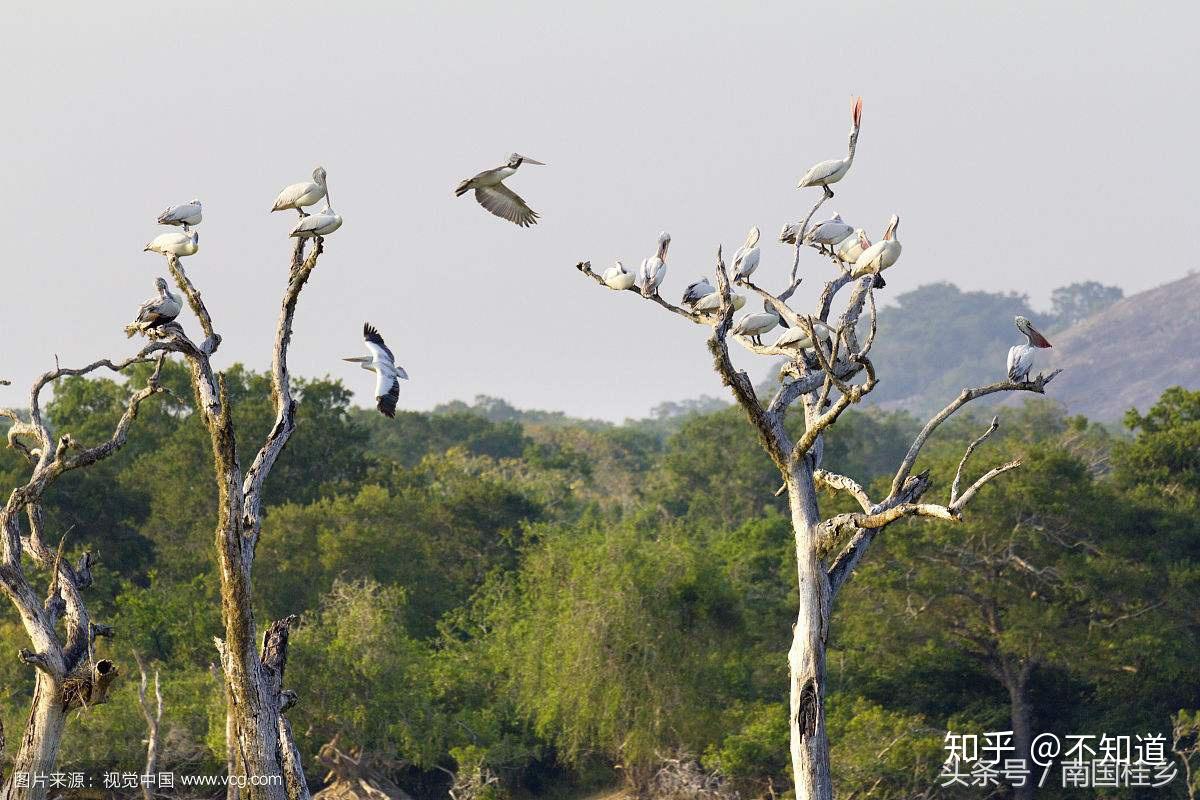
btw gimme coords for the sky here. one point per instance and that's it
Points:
(1024, 145)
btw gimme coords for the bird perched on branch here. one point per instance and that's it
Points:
(323, 223)
(849, 249)
(827, 233)
(835, 169)
(492, 194)
(798, 337)
(696, 291)
(654, 268)
(617, 277)
(174, 244)
(880, 255)
(185, 214)
(157, 311)
(306, 193)
(712, 302)
(388, 373)
(745, 260)
(755, 324)
(1020, 357)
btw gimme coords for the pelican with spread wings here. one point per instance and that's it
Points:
(492, 194)
(388, 373)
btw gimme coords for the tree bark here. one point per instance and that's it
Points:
(1022, 725)
(38, 750)
(806, 659)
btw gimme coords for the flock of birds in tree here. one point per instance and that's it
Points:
(850, 247)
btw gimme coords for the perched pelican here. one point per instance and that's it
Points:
(387, 372)
(299, 195)
(177, 244)
(834, 170)
(849, 249)
(712, 302)
(156, 311)
(185, 214)
(617, 277)
(880, 255)
(654, 268)
(492, 194)
(755, 324)
(323, 223)
(1020, 357)
(828, 233)
(696, 291)
(745, 260)
(798, 338)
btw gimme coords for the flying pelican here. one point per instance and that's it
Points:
(880, 255)
(307, 193)
(492, 194)
(323, 223)
(835, 169)
(1020, 357)
(177, 244)
(755, 324)
(849, 249)
(156, 311)
(185, 214)
(654, 268)
(387, 372)
(745, 260)
(829, 232)
(617, 277)
(696, 291)
(712, 302)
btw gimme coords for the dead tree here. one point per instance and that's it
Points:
(825, 378)
(153, 715)
(67, 675)
(260, 735)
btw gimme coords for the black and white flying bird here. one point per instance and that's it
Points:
(388, 373)
(492, 194)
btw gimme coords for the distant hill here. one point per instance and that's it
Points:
(1126, 355)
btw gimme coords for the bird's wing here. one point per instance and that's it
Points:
(309, 223)
(819, 172)
(169, 216)
(387, 392)
(376, 344)
(505, 203)
(1016, 361)
(290, 195)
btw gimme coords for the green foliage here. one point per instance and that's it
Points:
(1074, 303)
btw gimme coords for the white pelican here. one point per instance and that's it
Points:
(617, 277)
(798, 338)
(654, 268)
(177, 244)
(299, 195)
(387, 372)
(1020, 357)
(323, 223)
(829, 232)
(492, 194)
(696, 291)
(849, 249)
(156, 311)
(880, 255)
(755, 324)
(185, 214)
(834, 170)
(745, 260)
(712, 302)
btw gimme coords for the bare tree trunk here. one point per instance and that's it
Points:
(1022, 724)
(38, 750)
(153, 716)
(806, 659)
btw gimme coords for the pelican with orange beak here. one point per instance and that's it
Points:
(835, 169)
(1020, 357)
(881, 255)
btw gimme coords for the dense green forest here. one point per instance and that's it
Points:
(565, 604)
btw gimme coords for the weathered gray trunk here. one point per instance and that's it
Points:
(806, 659)
(38, 750)
(1022, 725)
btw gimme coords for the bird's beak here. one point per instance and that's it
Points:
(857, 113)
(1038, 339)
(529, 160)
(357, 359)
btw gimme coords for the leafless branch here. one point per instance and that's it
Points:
(586, 268)
(971, 449)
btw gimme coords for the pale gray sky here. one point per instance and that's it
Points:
(1025, 145)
